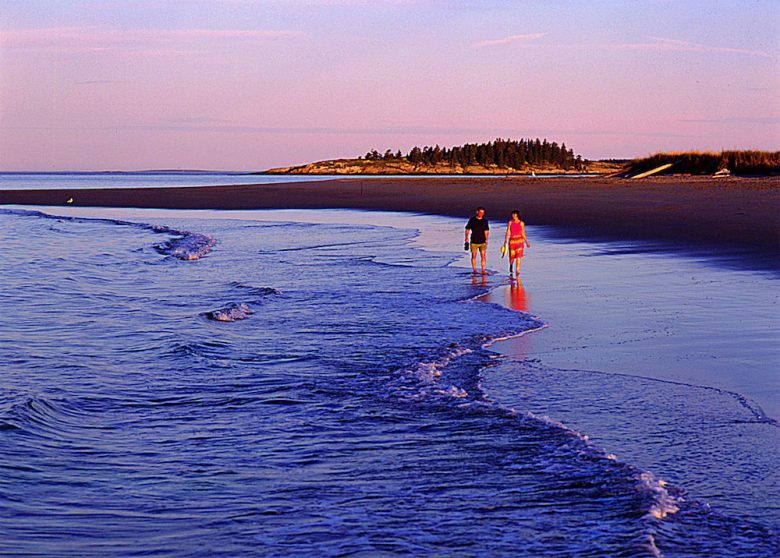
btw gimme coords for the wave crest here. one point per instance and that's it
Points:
(189, 246)
(230, 313)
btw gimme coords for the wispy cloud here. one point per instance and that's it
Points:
(296, 4)
(215, 126)
(760, 120)
(421, 134)
(514, 39)
(99, 82)
(335, 3)
(675, 45)
(657, 44)
(148, 41)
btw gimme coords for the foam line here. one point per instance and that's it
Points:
(189, 246)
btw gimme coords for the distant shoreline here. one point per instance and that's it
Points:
(724, 218)
(296, 174)
(364, 167)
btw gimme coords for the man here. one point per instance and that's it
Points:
(480, 231)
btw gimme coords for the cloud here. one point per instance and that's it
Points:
(335, 3)
(298, 4)
(146, 41)
(760, 120)
(674, 45)
(658, 44)
(99, 82)
(214, 126)
(514, 39)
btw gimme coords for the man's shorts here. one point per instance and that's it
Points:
(481, 247)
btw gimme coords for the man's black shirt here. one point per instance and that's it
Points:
(478, 227)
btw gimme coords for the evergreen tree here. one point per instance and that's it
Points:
(436, 155)
(455, 158)
(500, 157)
(504, 153)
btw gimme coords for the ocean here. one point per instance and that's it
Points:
(169, 179)
(332, 383)
(149, 179)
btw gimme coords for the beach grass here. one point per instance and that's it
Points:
(741, 162)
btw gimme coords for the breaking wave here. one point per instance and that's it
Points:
(187, 246)
(230, 313)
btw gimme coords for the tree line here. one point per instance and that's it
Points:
(515, 154)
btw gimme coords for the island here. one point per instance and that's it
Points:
(535, 157)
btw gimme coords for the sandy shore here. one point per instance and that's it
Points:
(736, 218)
(645, 355)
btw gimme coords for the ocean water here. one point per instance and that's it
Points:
(167, 179)
(150, 179)
(202, 385)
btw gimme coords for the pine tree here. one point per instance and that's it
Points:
(436, 155)
(504, 153)
(455, 156)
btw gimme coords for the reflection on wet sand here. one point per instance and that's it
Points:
(517, 297)
(512, 296)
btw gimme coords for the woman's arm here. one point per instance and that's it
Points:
(525, 238)
(508, 230)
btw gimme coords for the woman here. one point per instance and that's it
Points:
(516, 241)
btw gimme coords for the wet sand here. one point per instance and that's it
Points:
(666, 361)
(733, 219)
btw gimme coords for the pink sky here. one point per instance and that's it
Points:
(250, 84)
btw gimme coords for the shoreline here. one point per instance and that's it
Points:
(733, 220)
(639, 341)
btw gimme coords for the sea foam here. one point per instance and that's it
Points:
(188, 246)
(230, 313)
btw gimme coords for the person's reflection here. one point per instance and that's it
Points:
(517, 297)
(482, 282)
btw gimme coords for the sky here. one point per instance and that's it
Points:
(255, 84)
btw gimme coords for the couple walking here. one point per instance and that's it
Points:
(514, 240)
